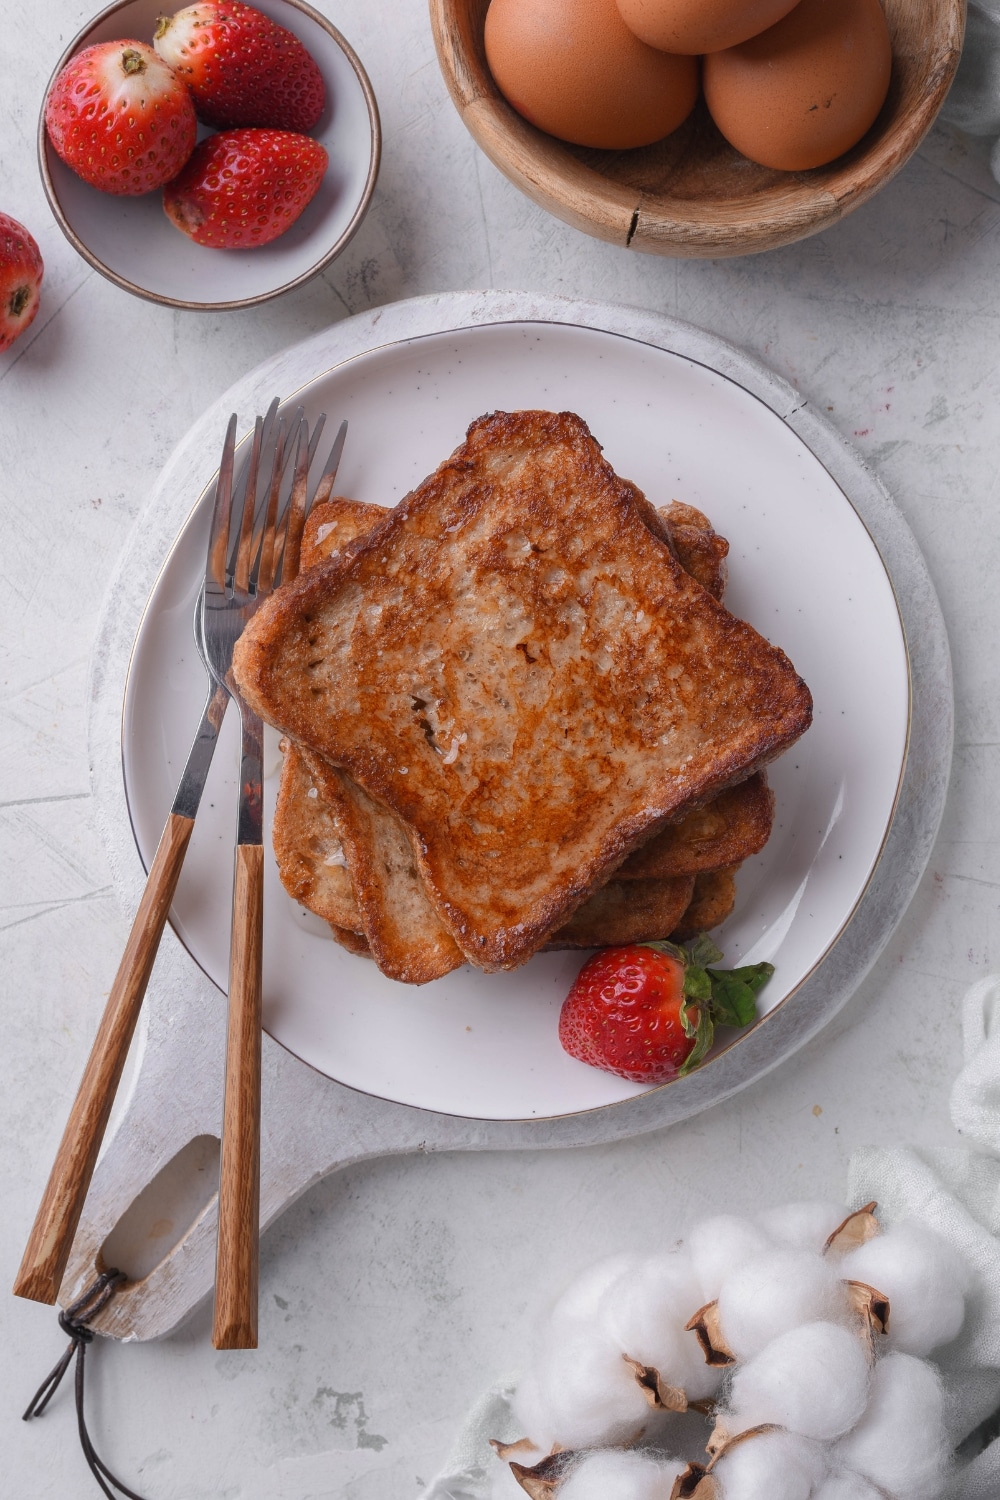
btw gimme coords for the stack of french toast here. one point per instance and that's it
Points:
(516, 714)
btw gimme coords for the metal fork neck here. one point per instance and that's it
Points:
(250, 826)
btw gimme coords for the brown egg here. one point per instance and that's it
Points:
(805, 91)
(696, 26)
(573, 68)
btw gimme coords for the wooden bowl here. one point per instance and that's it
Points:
(692, 194)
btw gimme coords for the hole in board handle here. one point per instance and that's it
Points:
(166, 1211)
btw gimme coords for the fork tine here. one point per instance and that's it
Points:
(240, 551)
(297, 508)
(240, 481)
(241, 561)
(316, 433)
(262, 572)
(281, 528)
(329, 476)
(216, 569)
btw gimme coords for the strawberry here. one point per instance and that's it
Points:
(242, 67)
(648, 1012)
(120, 118)
(245, 187)
(20, 279)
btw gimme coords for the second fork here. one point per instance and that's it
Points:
(247, 557)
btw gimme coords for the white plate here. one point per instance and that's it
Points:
(132, 242)
(803, 570)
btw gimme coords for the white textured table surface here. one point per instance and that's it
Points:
(393, 1292)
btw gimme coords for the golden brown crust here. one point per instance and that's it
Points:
(712, 902)
(626, 911)
(512, 626)
(726, 831)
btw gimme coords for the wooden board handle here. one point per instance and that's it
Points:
(47, 1251)
(235, 1321)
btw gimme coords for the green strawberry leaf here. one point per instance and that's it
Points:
(697, 984)
(734, 993)
(702, 952)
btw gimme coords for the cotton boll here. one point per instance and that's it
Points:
(924, 1278)
(805, 1226)
(645, 1311)
(620, 1476)
(534, 1416)
(580, 1393)
(775, 1291)
(718, 1246)
(812, 1380)
(580, 1301)
(846, 1485)
(771, 1466)
(900, 1443)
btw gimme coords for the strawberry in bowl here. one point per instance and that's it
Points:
(648, 1011)
(120, 118)
(241, 67)
(243, 188)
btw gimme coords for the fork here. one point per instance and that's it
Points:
(248, 554)
(47, 1251)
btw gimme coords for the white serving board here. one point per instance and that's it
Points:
(312, 1124)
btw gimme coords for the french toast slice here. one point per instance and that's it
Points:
(316, 870)
(712, 902)
(407, 939)
(726, 831)
(626, 911)
(733, 826)
(516, 665)
(308, 847)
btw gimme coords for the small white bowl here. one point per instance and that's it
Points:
(132, 242)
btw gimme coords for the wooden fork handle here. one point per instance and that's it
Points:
(235, 1320)
(47, 1251)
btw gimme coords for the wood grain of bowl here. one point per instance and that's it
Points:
(692, 194)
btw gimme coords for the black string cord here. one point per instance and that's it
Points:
(74, 1321)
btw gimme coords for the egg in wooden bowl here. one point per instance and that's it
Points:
(692, 193)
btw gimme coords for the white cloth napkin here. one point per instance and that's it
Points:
(973, 102)
(955, 1191)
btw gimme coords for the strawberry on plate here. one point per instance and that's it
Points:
(120, 118)
(243, 188)
(20, 279)
(648, 1012)
(241, 67)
